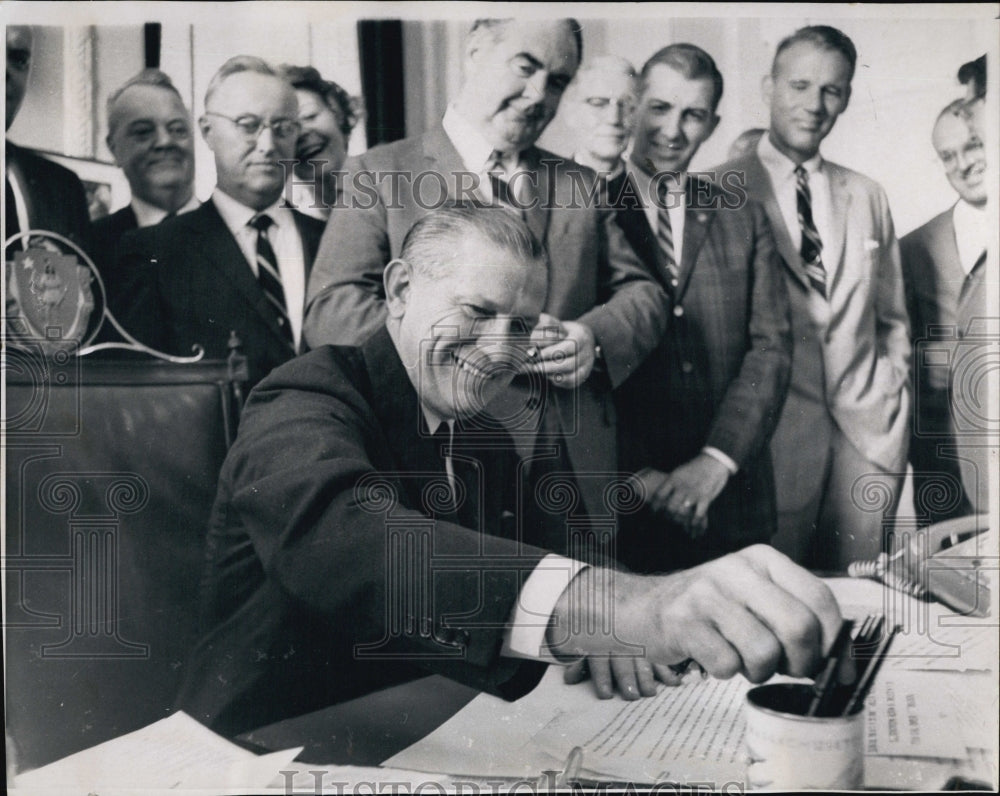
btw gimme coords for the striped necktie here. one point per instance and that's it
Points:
(665, 234)
(499, 185)
(811, 249)
(269, 277)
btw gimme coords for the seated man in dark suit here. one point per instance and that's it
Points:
(239, 262)
(150, 136)
(695, 419)
(38, 194)
(357, 539)
(605, 312)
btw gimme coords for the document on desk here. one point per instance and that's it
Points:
(175, 752)
(689, 734)
(923, 726)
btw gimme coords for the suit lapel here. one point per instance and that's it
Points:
(310, 235)
(840, 204)
(224, 254)
(537, 216)
(758, 176)
(696, 224)
(443, 158)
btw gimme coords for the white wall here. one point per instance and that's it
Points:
(909, 56)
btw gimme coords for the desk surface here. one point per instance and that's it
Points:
(367, 730)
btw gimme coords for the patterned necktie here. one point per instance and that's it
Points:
(665, 234)
(499, 185)
(268, 276)
(811, 249)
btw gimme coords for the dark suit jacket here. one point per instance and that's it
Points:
(329, 481)
(185, 282)
(593, 275)
(949, 468)
(54, 195)
(719, 378)
(108, 232)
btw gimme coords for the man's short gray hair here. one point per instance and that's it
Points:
(235, 65)
(147, 77)
(436, 234)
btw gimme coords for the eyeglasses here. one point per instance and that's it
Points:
(251, 126)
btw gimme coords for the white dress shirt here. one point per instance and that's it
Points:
(972, 233)
(286, 242)
(782, 172)
(146, 214)
(478, 157)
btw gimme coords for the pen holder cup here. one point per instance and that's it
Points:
(789, 750)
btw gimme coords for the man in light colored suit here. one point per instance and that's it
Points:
(944, 265)
(604, 314)
(839, 449)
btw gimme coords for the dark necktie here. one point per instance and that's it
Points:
(10, 210)
(811, 249)
(665, 235)
(500, 186)
(971, 277)
(269, 277)
(168, 216)
(463, 477)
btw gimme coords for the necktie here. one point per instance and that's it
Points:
(971, 277)
(463, 476)
(10, 210)
(268, 276)
(500, 186)
(811, 249)
(665, 235)
(172, 214)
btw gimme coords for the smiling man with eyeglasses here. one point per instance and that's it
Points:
(240, 262)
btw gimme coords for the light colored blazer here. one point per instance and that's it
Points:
(852, 352)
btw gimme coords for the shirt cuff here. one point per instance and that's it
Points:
(719, 456)
(525, 636)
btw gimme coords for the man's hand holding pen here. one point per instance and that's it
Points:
(754, 612)
(564, 351)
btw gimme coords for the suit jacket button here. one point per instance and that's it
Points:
(687, 367)
(281, 321)
(678, 311)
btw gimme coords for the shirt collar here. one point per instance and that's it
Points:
(643, 180)
(146, 214)
(434, 420)
(237, 215)
(474, 150)
(607, 175)
(778, 163)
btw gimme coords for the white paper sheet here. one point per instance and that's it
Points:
(175, 752)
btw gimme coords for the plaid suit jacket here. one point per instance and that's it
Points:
(720, 376)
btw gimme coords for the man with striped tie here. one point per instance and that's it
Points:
(695, 418)
(944, 266)
(238, 263)
(839, 449)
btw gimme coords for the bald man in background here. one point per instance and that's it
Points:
(944, 268)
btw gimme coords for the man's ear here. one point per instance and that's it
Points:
(111, 148)
(205, 126)
(713, 124)
(397, 278)
(767, 89)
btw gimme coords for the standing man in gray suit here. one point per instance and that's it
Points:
(839, 449)
(604, 313)
(944, 265)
